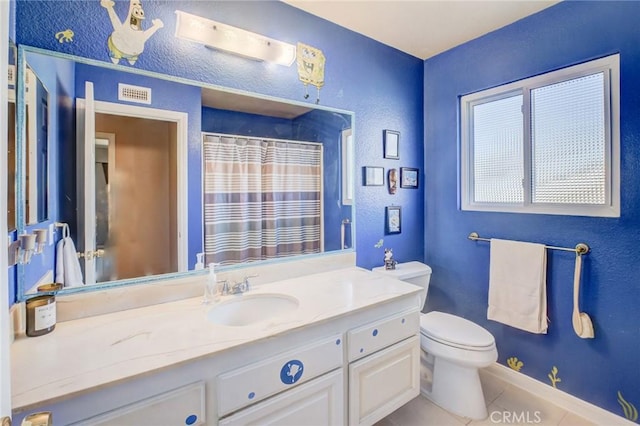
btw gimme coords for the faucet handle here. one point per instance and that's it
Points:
(225, 287)
(245, 281)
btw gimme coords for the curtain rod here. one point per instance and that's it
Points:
(261, 138)
(580, 248)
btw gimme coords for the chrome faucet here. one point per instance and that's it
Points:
(237, 288)
(225, 287)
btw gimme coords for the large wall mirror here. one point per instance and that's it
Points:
(131, 179)
(36, 148)
(11, 138)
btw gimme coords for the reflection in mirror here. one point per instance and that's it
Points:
(11, 140)
(37, 148)
(138, 213)
(104, 167)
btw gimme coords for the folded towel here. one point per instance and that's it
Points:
(68, 271)
(518, 285)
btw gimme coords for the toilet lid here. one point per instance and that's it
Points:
(456, 331)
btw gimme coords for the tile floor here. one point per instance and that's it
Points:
(502, 400)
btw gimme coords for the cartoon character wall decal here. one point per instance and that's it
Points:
(127, 39)
(65, 36)
(310, 67)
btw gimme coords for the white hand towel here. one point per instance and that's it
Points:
(68, 271)
(518, 285)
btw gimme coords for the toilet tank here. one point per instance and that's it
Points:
(412, 272)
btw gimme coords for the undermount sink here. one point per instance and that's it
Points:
(251, 309)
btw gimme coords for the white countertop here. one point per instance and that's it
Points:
(83, 354)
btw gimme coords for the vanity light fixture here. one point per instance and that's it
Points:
(233, 40)
(41, 240)
(22, 249)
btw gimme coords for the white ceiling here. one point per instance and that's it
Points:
(422, 28)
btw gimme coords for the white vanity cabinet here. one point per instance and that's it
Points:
(182, 406)
(349, 356)
(287, 374)
(319, 402)
(382, 366)
(385, 370)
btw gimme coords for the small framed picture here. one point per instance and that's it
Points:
(373, 176)
(409, 177)
(392, 144)
(394, 220)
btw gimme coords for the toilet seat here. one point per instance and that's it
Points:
(455, 331)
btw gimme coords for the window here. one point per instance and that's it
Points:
(547, 144)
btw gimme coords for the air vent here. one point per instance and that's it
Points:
(137, 94)
(12, 75)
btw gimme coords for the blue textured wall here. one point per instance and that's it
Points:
(381, 85)
(593, 370)
(12, 20)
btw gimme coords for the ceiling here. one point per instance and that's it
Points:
(422, 28)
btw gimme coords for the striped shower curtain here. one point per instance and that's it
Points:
(262, 198)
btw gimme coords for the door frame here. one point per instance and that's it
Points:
(181, 120)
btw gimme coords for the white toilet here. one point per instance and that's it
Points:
(453, 349)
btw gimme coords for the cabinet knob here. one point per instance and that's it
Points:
(38, 419)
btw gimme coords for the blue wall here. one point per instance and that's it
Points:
(565, 34)
(12, 20)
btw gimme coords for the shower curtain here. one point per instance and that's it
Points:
(262, 198)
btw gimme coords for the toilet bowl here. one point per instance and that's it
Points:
(453, 349)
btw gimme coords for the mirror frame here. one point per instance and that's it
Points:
(20, 145)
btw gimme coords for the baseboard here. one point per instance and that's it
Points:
(557, 397)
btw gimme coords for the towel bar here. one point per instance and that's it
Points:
(580, 248)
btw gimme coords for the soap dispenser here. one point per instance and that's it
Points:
(199, 261)
(211, 286)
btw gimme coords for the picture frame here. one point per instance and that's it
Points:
(392, 144)
(373, 176)
(409, 177)
(393, 220)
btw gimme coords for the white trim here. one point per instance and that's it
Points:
(555, 396)
(182, 120)
(348, 167)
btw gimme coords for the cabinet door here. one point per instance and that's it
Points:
(318, 402)
(183, 406)
(381, 383)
